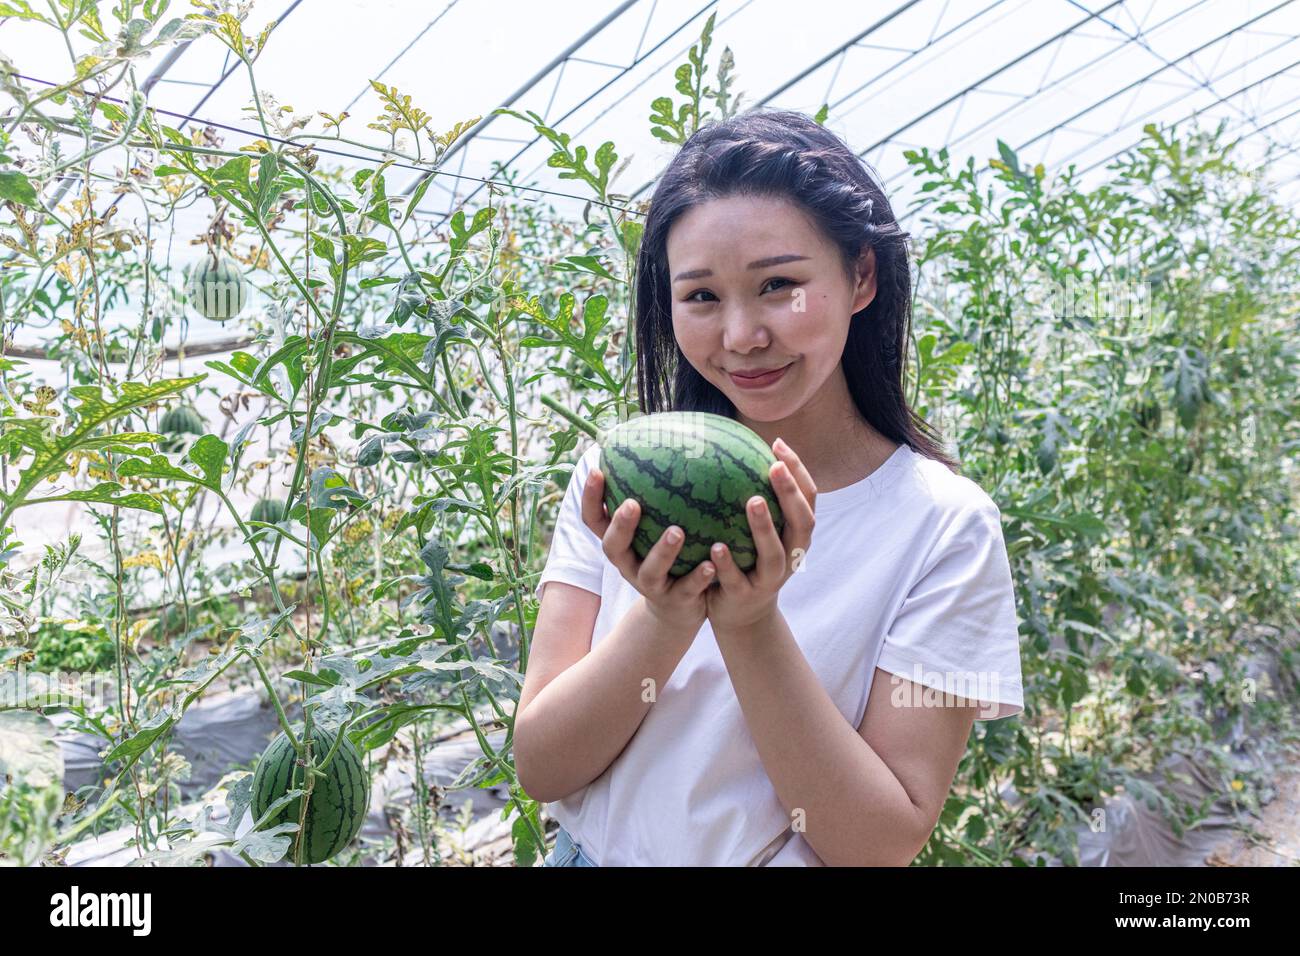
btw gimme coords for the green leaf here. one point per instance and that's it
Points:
(268, 189)
(589, 264)
(323, 246)
(210, 454)
(92, 411)
(287, 355)
(1083, 523)
(416, 196)
(134, 746)
(1073, 686)
(438, 595)
(370, 452)
(587, 347)
(1086, 524)
(329, 489)
(156, 467)
(1009, 157)
(378, 209)
(329, 493)
(243, 367)
(399, 351)
(632, 233)
(363, 249)
(18, 188)
(526, 849)
(236, 172)
(476, 570)
(1055, 430)
(1189, 381)
(410, 296)
(307, 677)
(107, 493)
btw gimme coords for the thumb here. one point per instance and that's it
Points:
(698, 581)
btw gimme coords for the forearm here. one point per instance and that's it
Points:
(581, 721)
(855, 810)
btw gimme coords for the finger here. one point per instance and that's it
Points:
(617, 542)
(770, 565)
(798, 469)
(593, 503)
(652, 576)
(796, 510)
(695, 583)
(729, 574)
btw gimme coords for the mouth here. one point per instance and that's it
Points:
(759, 381)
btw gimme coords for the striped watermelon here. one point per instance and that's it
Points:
(182, 419)
(217, 287)
(176, 423)
(694, 470)
(269, 510)
(339, 800)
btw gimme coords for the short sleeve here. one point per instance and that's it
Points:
(957, 628)
(576, 556)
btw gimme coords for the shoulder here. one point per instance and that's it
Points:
(944, 494)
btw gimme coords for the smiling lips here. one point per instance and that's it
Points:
(761, 380)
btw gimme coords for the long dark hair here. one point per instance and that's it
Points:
(785, 154)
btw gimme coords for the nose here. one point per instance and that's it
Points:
(743, 331)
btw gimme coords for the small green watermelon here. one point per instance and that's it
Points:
(339, 800)
(692, 469)
(217, 287)
(183, 419)
(269, 510)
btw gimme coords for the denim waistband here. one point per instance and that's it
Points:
(567, 852)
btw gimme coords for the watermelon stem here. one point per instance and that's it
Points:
(581, 423)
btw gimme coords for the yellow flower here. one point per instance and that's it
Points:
(1238, 786)
(146, 560)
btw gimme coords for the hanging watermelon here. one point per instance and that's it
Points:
(339, 800)
(217, 287)
(269, 510)
(177, 423)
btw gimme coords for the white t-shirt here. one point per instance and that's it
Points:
(907, 571)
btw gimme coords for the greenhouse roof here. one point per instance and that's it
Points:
(1062, 82)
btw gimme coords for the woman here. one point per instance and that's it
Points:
(813, 710)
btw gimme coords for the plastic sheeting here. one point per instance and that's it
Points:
(1136, 834)
(232, 728)
(221, 731)
(229, 729)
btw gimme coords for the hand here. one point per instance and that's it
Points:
(742, 599)
(678, 602)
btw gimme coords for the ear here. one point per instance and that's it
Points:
(864, 293)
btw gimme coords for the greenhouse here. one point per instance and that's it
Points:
(948, 350)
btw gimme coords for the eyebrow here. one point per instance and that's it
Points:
(757, 264)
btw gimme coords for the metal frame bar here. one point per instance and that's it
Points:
(573, 47)
(980, 82)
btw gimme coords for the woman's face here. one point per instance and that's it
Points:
(755, 286)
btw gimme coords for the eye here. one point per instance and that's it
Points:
(691, 297)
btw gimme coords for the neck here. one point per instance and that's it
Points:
(837, 445)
